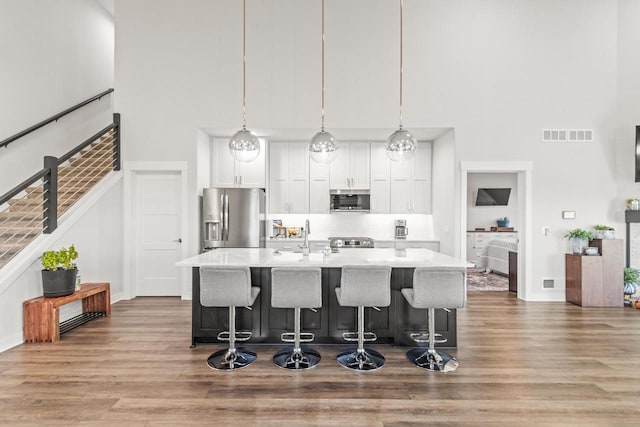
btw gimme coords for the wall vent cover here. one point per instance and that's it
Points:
(567, 135)
(548, 283)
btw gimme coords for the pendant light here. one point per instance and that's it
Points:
(244, 144)
(323, 146)
(400, 145)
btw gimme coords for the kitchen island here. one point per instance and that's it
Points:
(392, 324)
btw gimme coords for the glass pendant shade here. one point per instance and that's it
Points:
(244, 145)
(323, 147)
(401, 145)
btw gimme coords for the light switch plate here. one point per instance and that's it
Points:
(568, 214)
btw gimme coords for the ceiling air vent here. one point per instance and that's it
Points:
(548, 283)
(567, 135)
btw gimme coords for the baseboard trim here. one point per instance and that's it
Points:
(11, 341)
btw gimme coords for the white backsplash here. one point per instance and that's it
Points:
(376, 226)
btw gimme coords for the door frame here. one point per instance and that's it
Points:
(523, 170)
(131, 172)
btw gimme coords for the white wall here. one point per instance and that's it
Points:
(98, 238)
(486, 216)
(498, 71)
(54, 55)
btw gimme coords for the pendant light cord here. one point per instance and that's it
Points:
(401, 69)
(322, 124)
(244, 65)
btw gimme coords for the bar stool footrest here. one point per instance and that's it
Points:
(423, 337)
(353, 336)
(240, 335)
(291, 337)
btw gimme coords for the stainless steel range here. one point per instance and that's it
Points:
(337, 243)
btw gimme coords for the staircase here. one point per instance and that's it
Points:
(23, 217)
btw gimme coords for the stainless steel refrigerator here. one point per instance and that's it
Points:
(233, 218)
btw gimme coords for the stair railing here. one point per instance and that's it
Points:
(61, 181)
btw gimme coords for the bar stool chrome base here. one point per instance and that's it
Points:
(231, 360)
(361, 360)
(436, 361)
(287, 358)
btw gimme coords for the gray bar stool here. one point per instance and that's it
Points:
(229, 287)
(437, 287)
(363, 286)
(296, 288)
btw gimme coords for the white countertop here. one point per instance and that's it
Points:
(266, 257)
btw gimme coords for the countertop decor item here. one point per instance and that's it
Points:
(604, 232)
(323, 147)
(59, 273)
(400, 145)
(244, 144)
(579, 239)
(503, 221)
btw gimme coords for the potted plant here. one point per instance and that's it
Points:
(579, 239)
(503, 221)
(604, 232)
(59, 273)
(631, 279)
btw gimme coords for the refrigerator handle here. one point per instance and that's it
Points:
(226, 216)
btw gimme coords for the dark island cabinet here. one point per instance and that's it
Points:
(392, 324)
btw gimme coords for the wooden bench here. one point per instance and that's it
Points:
(41, 317)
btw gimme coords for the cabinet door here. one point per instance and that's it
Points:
(278, 177)
(298, 177)
(471, 252)
(380, 196)
(422, 162)
(319, 196)
(380, 163)
(252, 174)
(421, 202)
(339, 169)
(223, 172)
(359, 164)
(400, 200)
(318, 187)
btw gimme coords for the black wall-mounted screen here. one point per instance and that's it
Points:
(637, 153)
(493, 196)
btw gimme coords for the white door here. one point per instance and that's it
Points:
(223, 172)
(158, 233)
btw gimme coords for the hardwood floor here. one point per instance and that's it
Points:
(520, 364)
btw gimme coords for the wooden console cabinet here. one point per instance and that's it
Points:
(41, 317)
(596, 281)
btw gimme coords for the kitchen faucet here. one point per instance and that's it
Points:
(305, 245)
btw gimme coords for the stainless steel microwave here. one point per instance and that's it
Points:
(349, 201)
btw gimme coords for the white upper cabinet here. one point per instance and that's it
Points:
(350, 169)
(228, 172)
(318, 187)
(288, 189)
(410, 184)
(380, 169)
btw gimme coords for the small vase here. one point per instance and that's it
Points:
(578, 245)
(629, 288)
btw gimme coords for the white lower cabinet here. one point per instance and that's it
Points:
(478, 241)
